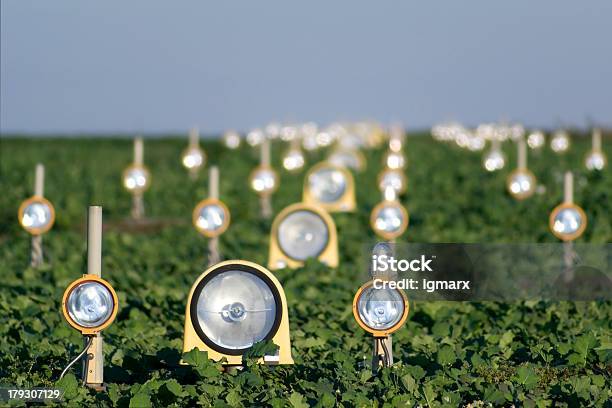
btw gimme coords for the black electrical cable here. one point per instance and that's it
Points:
(386, 360)
(77, 358)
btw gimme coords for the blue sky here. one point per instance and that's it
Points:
(72, 66)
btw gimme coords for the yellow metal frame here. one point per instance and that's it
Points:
(379, 333)
(346, 203)
(567, 237)
(226, 217)
(277, 259)
(69, 289)
(36, 199)
(281, 337)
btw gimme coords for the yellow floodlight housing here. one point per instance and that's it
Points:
(301, 231)
(233, 305)
(330, 187)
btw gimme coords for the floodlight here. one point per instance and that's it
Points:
(193, 158)
(231, 139)
(263, 180)
(294, 159)
(350, 158)
(521, 184)
(393, 179)
(380, 311)
(560, 142)
(89, 304)
(136, 178)
(211, 217)
(536, 139)
(494, 160)
(567, 221)
(395, 160)
(233, 305)
(595, 159)
(36, 215)
(389, 219)
(330, 187)
(302, 231)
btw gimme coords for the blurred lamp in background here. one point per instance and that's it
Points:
(233, 305)
(330, 187)
(389, 219)
(521, 183)
(302, 231)
(595, 159)
(193, 157)
(560, 141)
(231, 139)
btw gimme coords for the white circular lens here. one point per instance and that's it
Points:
(494, 160)
(380, 309)
(90, 304)
(210, 218)
(595, 160)
(560, 142)
(136, 179)
(327, 185)
(236, 309)
(293, 160)
(395, 160)
(521, 183)
(302, 234)
(193, 158)
(392, 179)
(36, 215)
(567, 221)
(231, 140)
(263, 180)
(346, 158)
(536, 140)
(389, 219)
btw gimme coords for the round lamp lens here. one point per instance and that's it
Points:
(327, 185)
(236, 309)
(494, 160)
(560, 142)
(521, 184)
(395, 160)
(389, 219)
(294, 160)
(90, 304)
(302, 235)
(380, 309)
(392, 179)
(231, 140)
(263, 180)
(595, 161)
(536, 140)
(567, 221)
(193, 158)
(136, 179)
(210, 218)
(36, 215)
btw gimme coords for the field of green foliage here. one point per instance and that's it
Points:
(448, 353)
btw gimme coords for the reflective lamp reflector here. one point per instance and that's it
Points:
(36, 215)
(302, 234)
(568, 221)
(327, 185)
(380, 311)
(90, 304)
(136, 178)
(234, 307)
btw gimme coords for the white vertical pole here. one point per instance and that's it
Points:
(137, 202)
(138, 151)
(36, 251)
(213, 191)
(94, 365)
(568, 188)
(265, 153)
(522, 154)
(597, 140)
(265, 200)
